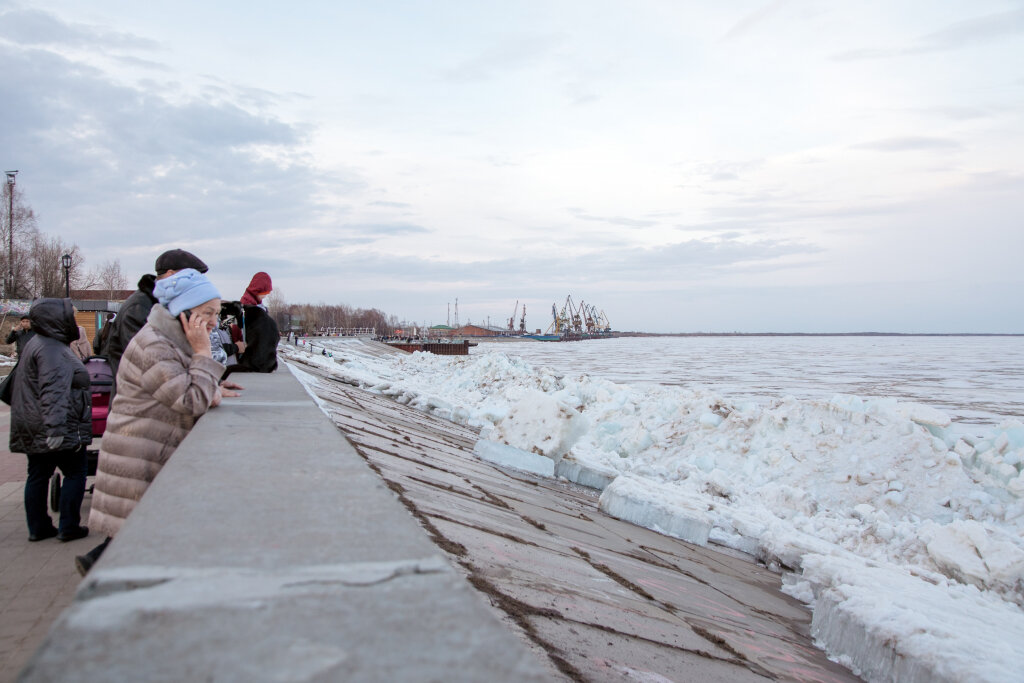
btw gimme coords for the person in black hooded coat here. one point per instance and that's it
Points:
(259, 331)
(51, 419)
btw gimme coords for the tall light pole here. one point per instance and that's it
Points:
(9, 290)
(66, 262)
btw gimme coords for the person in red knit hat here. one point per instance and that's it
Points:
(258, 330)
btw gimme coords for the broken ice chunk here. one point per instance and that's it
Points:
(667, 509)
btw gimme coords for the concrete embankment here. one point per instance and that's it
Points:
(267, 549)
(273, 548)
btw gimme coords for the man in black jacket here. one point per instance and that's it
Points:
(135, 310)
(51, 419)
(20, 335)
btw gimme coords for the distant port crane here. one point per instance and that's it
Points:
(522, 319)
(578, 319)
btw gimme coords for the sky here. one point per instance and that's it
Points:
(684, 166)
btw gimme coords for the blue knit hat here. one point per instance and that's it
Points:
(183, 290)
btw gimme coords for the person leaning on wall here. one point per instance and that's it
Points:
(259, 331)
(134, 311)
(168, 381)
(51, 419)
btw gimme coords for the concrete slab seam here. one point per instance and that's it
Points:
(111, 596)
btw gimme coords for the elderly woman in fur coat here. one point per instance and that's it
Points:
(166, 381)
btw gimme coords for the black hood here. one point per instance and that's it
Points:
(54, 318)
(146, 284)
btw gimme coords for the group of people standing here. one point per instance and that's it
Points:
(169, 363)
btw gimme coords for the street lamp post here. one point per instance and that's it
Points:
(10, 234)
(66, 262)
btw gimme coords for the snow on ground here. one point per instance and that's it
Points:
(905, 536)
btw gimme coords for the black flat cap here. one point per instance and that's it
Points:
(179, 259)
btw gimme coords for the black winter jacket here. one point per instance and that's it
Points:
(261, 338)
(130, 318)
(19, 338)
(51, 394)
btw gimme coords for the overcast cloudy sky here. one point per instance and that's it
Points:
(752, 165)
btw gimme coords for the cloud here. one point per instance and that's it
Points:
(596, 268)
(38, 28)
(612, 220)
(751, 20)
(721, 171)
(139, 62)
(957, 113)
(508, 55)
(387, 229)
(392, 205)
(976, 31)
(111, 166)
(910, 143)
(966, 33)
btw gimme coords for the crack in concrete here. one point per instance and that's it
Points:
(793, 625)
(519, 612)
(120, 594)
(449, 546)
(494, 500)
(621, 580)
(721, 642)
(533, 522)
(633, 636)
(485, 530)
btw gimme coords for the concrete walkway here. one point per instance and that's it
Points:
(267, 550)
(37, 580)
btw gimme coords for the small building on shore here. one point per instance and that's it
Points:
(95, 304)
(469, 331)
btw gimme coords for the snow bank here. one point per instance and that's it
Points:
(893, 626)
(852, 495)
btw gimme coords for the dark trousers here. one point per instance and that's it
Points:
(73, 465)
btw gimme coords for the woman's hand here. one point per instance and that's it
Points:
(197, 335)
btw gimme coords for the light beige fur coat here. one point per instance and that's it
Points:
(162, 390)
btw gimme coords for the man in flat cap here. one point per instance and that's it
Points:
(135, 310)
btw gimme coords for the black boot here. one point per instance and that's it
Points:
(83, 563)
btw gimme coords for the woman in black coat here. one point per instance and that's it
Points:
(259, 331)
(51, 419)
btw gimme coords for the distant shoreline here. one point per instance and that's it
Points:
(818, 334)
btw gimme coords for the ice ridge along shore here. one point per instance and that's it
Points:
(905, 536)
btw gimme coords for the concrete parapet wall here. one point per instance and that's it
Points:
(268, 550)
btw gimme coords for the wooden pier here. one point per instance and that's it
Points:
(441, 348)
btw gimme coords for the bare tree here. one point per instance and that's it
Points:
(25, 232)
(107, 277)
(275, 301)
(47, 270)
